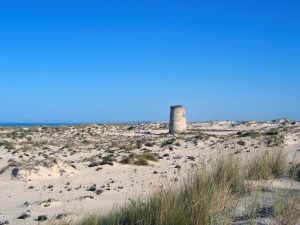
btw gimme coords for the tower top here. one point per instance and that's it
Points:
(177, 106)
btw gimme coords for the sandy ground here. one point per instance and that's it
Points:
(57, 171)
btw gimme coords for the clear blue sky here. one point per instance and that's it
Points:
(118, 61)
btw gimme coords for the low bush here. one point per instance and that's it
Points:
(140, 160)
(272, 132)
(131, 128)
(149, 144)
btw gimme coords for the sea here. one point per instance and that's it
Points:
(38, 124)
(61, 124)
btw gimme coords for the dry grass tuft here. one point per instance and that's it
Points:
(270, 165)
(287, 209)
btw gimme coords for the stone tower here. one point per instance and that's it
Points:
(177, 120)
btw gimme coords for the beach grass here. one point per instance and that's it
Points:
(206, 197)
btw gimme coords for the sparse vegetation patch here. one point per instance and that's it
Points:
(139, 159)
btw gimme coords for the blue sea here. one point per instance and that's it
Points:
(59, 124)
(37, 124)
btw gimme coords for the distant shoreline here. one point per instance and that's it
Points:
(38, 124)
(64, 124)
(132, 122)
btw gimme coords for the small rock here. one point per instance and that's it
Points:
(191, 158)
(87, 196)
(98, 192)
(73, 166)
(42, 218)
(60, 216)
(106, 163)
(177, 166)
(15, 171)
(92, 188)
(24, 216)
(93, 164)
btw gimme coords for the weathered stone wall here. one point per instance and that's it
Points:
(177, 119)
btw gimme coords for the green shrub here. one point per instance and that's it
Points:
(140, 160)
(131, 128)
(199, 136)
(272, 132)
(111, 151)
(109, 158)
(149, 144)
(252, 134)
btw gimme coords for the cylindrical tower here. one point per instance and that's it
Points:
(177, 119)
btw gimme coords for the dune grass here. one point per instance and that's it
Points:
(294, 171)
(287, 208)
(202, 200)
(207, 196)
(271, 165)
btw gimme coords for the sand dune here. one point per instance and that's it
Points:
(70, 171)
